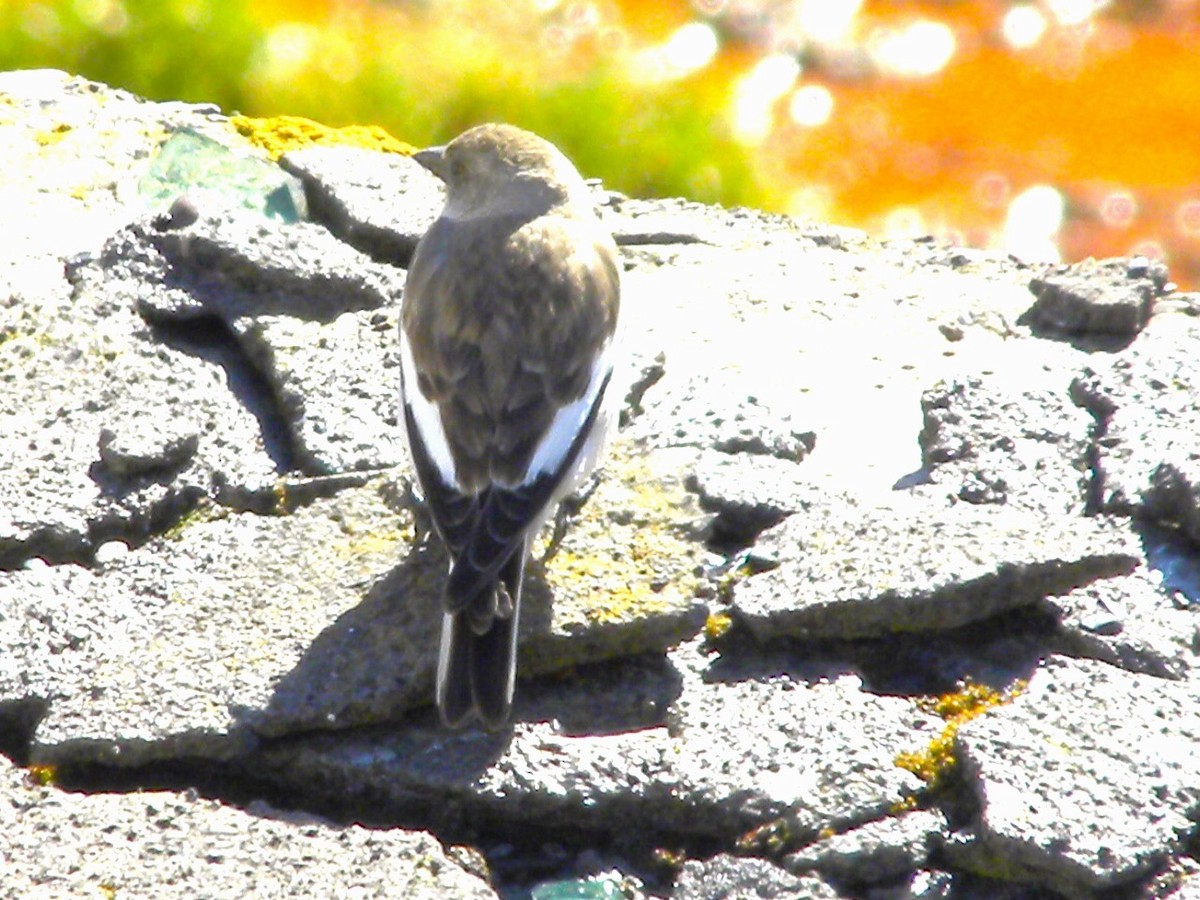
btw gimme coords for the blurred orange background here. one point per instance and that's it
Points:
(1051, 129)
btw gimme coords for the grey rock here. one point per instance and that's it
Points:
(1130, 622)
(776, 748)
(1173, 494)
(312, 318)
(176, 649)
(1144, 405)
(106, 431)
(233, 264)
(1110, 297)
(635, 222)
(875, 852)
(164, 373)
(749, 492)
(963, 564)
(734, 878)
(337, 384)
(379, 203)
(590, 751)
(179, 845)
(585, 752)
(719, 414)
(169, 649)
(140, 447)
(1027, 449)
(1086, 781)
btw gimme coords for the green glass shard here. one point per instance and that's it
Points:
(212, 174)
(578, 889)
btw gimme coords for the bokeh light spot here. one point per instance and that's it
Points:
(992, 191)
(1075, 12)
(1187, 218)
(106, 16)
(288, 49)
(1149, 249)
(811, 105)
(917, 50)
(1023, 26)
(756, 93)
(904, 222)
(826, 21)
(1118, 209)
(1033, 222)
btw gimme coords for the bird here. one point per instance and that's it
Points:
(508, 342)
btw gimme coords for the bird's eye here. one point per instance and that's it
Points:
(458, 169)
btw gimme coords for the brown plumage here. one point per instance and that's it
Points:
(508, 326)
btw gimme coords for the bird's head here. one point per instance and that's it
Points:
(496, 169)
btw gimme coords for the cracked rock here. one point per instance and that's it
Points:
(379, 203)
(962, 564)
(727, 877)
(1144, 404)
(1086, 781)
(138, 447)
(590, 752)
(179, 845)
(1129, 622)
(750, 492)
(116, 433)
(1109, 297)
(1028, 449)
(875, 852)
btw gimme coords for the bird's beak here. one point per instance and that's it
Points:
(433, 159)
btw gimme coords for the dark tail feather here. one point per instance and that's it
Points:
(454, 674)
(476, 671)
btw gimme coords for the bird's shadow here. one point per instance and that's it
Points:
(373, 667)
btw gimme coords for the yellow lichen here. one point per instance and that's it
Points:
(203, 511)
(717, 625)
(53, 136)
(773, 837)
(42, 775)
(280, 134)
(937, 761)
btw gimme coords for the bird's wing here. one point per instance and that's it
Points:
(506, 514)
(506, 353)
(454, 512)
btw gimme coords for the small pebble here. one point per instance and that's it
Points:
(1104, 623)
(111, 551)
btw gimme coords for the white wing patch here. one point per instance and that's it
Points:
(551, 451)
(426, 416)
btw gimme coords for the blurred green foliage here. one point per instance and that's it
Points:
(422, 78)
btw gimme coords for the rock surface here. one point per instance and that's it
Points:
(180, 845)
(851, 474)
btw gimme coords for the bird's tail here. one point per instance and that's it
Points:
(477, 661)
